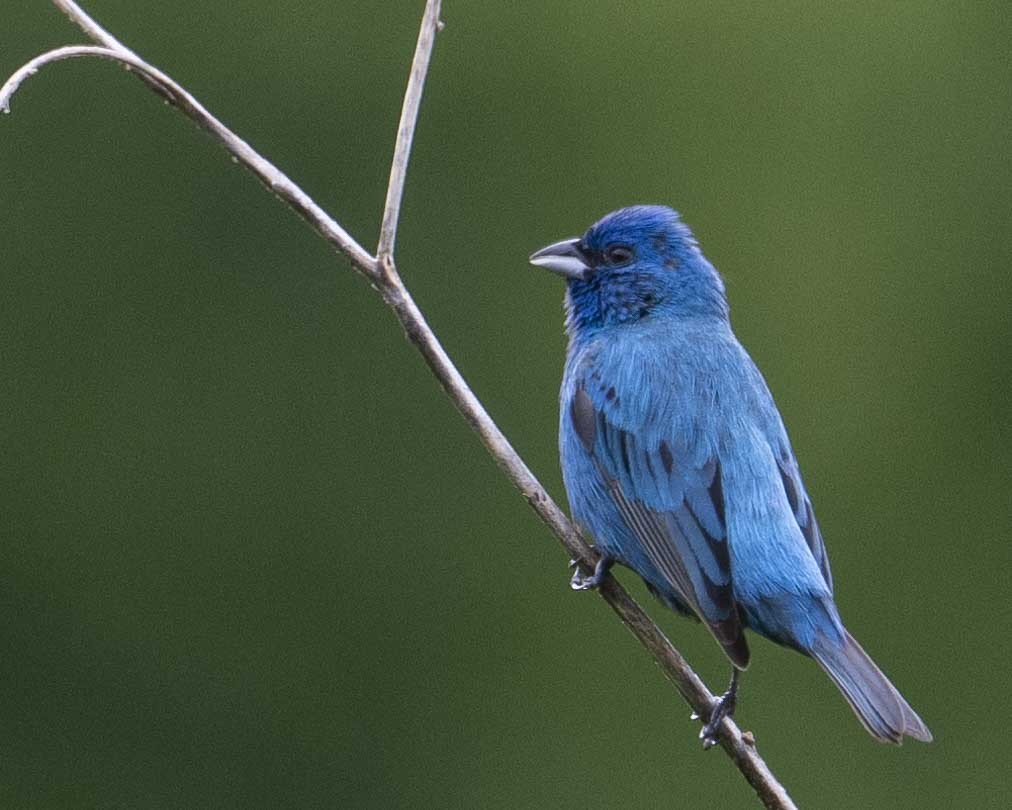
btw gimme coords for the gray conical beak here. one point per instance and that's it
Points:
(563, 258)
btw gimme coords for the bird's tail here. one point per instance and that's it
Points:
(881, 709)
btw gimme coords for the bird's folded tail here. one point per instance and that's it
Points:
(877, 703)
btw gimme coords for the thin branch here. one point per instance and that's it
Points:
(739, 747)
(98, 34)
(95, 32)
(405, 134)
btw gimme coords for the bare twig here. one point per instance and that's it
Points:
(383, 275)
(13, 84)
(405, 135)
(94, 31)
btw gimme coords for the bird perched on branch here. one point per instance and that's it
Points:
(676, 460)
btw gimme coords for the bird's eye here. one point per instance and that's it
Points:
(618, 254)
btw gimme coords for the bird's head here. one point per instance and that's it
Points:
(635, 263)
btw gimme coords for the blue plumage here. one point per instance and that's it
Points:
(677, 462)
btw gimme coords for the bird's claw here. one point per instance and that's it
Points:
(723, 707)
(585, 582)
(582, 582)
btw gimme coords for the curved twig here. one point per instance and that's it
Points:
(13, 84)
(382, 274)
(268, 174)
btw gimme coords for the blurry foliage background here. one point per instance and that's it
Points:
(251, 557)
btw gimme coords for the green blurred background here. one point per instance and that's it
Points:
(251, 557)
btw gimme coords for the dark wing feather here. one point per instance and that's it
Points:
(676, 514)
(801, 507)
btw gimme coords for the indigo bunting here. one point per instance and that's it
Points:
(676, 461)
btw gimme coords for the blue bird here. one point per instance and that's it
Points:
(676, 460)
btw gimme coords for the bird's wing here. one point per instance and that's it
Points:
(675, 511)
(801, 507)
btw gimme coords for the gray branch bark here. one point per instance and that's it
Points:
(381, 271)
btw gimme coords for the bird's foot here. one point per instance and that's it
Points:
(723, 707)
(582, 582)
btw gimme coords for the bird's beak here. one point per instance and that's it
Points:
(563, 258)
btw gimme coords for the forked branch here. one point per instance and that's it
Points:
(381, 271)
